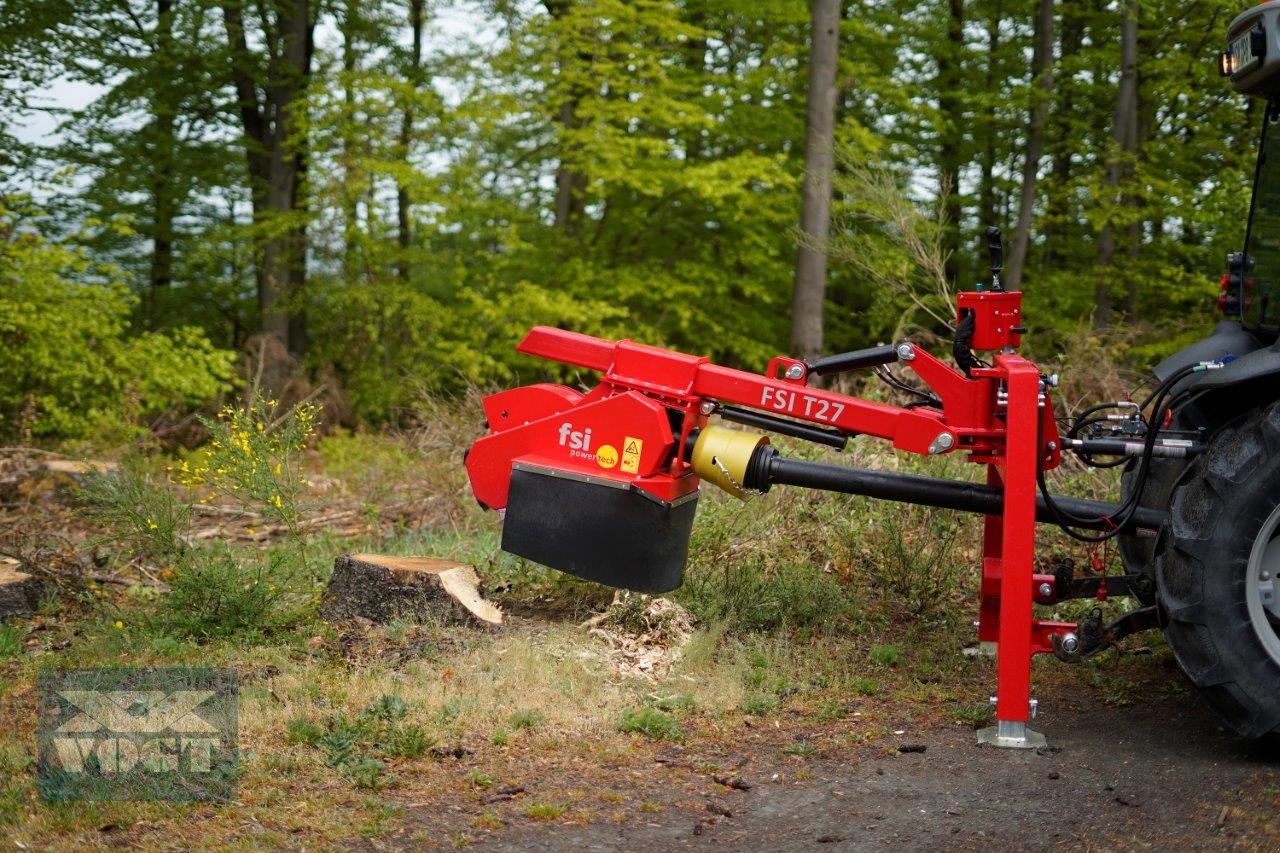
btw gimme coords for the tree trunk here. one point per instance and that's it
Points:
(571, 184)
(987, 190)
(951, 134)
(695, 64)
(404, 233)
(1057, 207)
(1041, 93)
(1125, 117)
(819, 164)
(270, 112)
(164, 123)
(348, 28)
(1141, 119)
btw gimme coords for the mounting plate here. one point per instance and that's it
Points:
(1007, 734)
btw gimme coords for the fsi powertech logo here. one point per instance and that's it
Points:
(137, 734)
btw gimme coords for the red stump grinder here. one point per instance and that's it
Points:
(604, 484)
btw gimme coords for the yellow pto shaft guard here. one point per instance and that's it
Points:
(721, 456)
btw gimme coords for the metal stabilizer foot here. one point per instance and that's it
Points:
(1011, 735)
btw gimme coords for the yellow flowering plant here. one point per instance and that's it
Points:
(251, 458)
(214, 589)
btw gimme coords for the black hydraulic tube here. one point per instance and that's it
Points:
(870, 357)
(1120, 447)
(771, 469)
(818, 435)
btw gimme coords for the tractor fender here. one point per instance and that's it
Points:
(1228, 341)
(1250, 380)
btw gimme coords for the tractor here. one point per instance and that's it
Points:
(604, 484)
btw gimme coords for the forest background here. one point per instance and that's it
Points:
(366, 201)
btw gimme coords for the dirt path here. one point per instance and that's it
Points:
(1160, 775)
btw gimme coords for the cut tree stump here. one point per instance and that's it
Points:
(19, 593)
(381, 588)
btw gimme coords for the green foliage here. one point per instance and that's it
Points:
(70, 366)
(11, 637)
(357, 747)
(758, 704)
(773, 582)
(252, 457)
(213, 590)
(303, 731)
(216, 593)
(525, 720)
(886, 655)
(621, 167)
(543, 811)
(142, 514)
(649, 722)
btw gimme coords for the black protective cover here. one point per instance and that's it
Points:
(611, 535)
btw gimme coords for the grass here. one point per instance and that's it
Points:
(543, 811)
(525, 719)
(812, 608)
(886, 655)
(649, 722)
(11, 637)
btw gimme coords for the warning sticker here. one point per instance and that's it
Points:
(631, 450)
(607, 457)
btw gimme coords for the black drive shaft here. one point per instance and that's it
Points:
(771, 469)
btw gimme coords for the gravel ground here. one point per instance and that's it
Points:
(1158, 775)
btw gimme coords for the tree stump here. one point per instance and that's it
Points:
(381, 588)
(19, 593)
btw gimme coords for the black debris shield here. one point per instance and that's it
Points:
(596, 529)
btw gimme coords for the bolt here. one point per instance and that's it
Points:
(1266, 576)
(906, 352)
(1070, 643)
(1053, 380)
(795, 371)
(1035, 706)
(942, 443)
(1053, 445)
(1046, 590)
(707, 407)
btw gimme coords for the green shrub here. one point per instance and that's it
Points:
(677, 704)
(543, 811)
(215, 593)
(357, 746)
(886, 655)
(142, 514)
(407, 742)
(71, 367)
(649, 722)
(252, 458)
(759, 704)
(388, 708)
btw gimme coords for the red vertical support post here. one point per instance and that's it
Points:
(1017, 555)
(989, 595)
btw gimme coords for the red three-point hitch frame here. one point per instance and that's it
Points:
(563, 464)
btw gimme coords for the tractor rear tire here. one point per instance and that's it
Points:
(1213, 562)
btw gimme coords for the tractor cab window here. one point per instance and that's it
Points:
(1261, 306)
